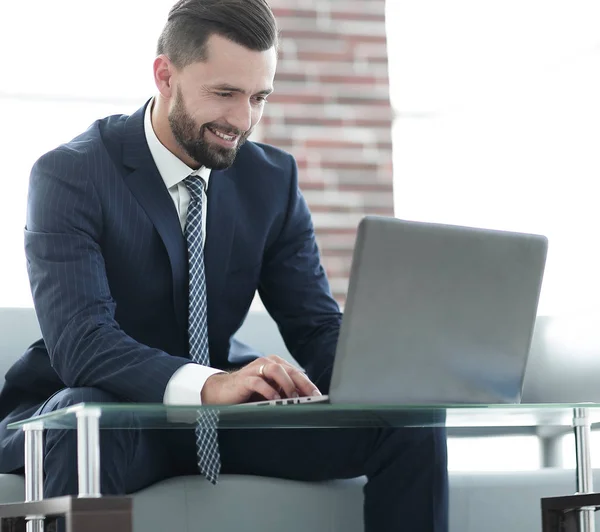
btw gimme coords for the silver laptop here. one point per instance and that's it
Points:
(436, 314)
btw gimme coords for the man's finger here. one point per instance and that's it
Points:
(304, 385)
(261, 386)
(281, 377)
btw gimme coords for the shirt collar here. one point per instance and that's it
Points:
(171, 168)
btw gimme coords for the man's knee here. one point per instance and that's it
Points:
(429, 443)
(72, 396)
(60, 447)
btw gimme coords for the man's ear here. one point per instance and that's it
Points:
(163, 76)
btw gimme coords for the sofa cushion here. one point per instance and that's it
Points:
(237, 501)
(12, 488)
(250, 503)
(507, 500)
(18, 330)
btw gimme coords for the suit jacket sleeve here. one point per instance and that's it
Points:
(295, 290)
(70, 288)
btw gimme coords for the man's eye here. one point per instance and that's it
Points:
(261, 99)
(224, 94)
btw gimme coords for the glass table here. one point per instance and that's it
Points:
(88, 419)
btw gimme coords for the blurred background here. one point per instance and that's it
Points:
(467, 112)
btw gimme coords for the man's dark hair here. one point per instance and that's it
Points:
(249, 23)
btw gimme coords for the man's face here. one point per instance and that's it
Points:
(218, 102)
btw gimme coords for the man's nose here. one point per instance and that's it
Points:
(241, 116)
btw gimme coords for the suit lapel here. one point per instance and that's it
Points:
(147, 186)
(149, 189)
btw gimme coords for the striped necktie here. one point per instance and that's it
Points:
(207, 445)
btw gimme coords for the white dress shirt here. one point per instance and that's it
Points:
(185, 386)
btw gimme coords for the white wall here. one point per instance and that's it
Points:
(498, 125)
(65, 64)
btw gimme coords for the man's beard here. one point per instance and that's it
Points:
(191, 138)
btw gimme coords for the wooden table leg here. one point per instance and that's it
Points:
(103, 514)
(561, 514)
(99, 522)
(12, 524)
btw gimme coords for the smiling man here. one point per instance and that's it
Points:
(146, 239)
(224, 99)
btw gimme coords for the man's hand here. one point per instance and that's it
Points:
(270, 377)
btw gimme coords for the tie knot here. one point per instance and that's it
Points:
(195, 185)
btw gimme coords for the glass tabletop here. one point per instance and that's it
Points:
(316, 415)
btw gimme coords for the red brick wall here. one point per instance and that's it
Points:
(331, 110)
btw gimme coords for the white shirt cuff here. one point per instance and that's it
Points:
(185, 385)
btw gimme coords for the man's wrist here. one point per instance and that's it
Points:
(186, 384)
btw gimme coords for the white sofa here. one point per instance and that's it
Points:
(479, 502)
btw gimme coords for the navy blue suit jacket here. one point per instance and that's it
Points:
(107, 262)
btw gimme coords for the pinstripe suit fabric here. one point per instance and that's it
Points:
(107, 263)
